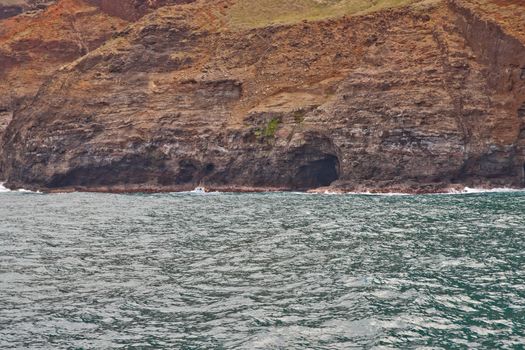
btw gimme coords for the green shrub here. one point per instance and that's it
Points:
(268, 132)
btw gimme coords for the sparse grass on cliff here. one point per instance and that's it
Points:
(269, 130)
(253, 14)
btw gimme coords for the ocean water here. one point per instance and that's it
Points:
(262, 271)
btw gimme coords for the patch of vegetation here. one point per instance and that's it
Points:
(298, 116)
(269, 130)
(260, 13)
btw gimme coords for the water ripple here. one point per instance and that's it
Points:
(262, 271)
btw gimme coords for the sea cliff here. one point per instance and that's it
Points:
(419, 97)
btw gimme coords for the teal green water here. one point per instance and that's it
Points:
(262, 271)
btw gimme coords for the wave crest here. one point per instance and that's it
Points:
(3, 188)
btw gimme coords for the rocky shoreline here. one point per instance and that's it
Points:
(387, 190)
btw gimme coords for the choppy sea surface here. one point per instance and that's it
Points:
(262, 271)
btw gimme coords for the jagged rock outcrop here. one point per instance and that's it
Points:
(132, 10)
(401, 99)
(11, 8)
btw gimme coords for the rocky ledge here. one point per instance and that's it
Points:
(421, 98)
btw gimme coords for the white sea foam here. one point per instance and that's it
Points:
(465, 190)
(3, 189)
(27, 191)
(201, 191)
(469, 190)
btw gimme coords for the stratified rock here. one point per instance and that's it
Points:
(133, 9)
(11, 8)
(33, 46)
(399, 99)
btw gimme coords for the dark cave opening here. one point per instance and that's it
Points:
(319, 173)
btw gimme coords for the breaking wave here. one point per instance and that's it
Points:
(4, 189)
(469, 190)
(465, 190)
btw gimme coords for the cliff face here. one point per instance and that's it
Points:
(132, 9)
(496, 34)
(34, 45)
(407, 98)
(11, 8)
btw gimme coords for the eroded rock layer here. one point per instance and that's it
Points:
(11, 8)
(132, 9)
(403, 99)
(33, 46)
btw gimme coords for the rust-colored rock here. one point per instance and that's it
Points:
(34, 45)
(132, 10)
(401, 99)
